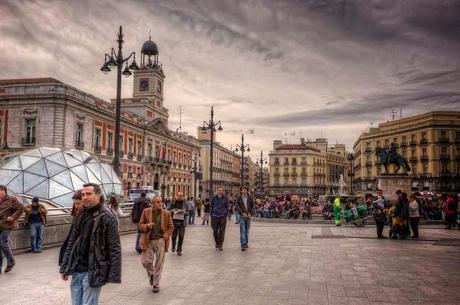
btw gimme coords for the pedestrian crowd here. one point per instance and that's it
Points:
(91, 253)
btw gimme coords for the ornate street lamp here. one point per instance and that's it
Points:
(351, 173)
(242, 147)
(194, 171)
(116, 59)
(211, 125)
(260, 162)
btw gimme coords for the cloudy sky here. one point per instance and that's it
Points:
(274, 69)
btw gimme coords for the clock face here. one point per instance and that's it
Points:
(144, 85)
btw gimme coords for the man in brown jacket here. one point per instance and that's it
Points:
(35, 217)
(156, 226)
(10, 211)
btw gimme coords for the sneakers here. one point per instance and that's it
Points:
(179, 253)
(173, 249)
(155, 289)
(9, 268)
(243, 249)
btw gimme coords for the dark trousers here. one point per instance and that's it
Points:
(179, 229)
(138, 241)
(5, 248)
(379, 225)
(414, 225)
(218, 227)
(199, 212)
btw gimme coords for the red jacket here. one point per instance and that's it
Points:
(450, 209)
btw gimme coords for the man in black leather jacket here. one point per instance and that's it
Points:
(139, 205)
(93, 253)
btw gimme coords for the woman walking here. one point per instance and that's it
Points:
(114, 207)
(414, 215)
(206, 211)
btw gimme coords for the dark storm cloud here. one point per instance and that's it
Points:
(269, 66)
(373, 107)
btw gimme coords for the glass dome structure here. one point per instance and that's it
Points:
(55, 175)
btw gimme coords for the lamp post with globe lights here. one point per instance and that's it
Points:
(242, 147)
(211, 125)
(351, 173)
(111, 60)
(261, 163)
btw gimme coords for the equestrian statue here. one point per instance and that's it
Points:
(391, 156)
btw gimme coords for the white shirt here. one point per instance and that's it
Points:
(245, 202)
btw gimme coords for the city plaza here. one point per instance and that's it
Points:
(286, 264)
(55, 137)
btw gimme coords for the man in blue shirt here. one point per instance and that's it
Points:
(219, 212)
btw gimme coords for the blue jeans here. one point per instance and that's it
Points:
(244, 230)
(80, 291)
(36, 236)
(5, 248)
(191, 217)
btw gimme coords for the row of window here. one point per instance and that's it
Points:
(443, 136)
(175, 158)
(424, 154)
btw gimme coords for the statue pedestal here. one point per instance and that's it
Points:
(389, 184)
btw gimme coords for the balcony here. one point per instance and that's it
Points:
(303, 163)
(276, 175)
(294, 175)
(303, 174)
(368, 149)
(413, 143)
(130, 174)
(26, 141)
(97, 149)
(444, 140)
(138, 176)
(403, 144)
(424, 158)
(445, 157)
(276, 163)
(157, 161)
(424, 142)
(286, 175)
(286, 163)
(139, 158)
(413, 159)
(109, 151)
(130, 155)
(294, 163)
(79, 145)
(368, 163)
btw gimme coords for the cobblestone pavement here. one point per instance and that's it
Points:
(286, 264)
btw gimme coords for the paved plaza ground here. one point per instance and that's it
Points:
(286, 264)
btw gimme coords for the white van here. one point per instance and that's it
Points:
(136, 193)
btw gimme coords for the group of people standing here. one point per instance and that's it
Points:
(403, 215)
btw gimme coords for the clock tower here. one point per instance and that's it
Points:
(147, 98)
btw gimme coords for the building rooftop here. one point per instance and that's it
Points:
(296, 147)
(26, 81)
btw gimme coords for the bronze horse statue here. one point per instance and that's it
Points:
(391, 157)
